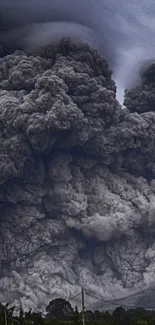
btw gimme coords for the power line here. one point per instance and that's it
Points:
(75, 296)
(103, 300)
(113, 302)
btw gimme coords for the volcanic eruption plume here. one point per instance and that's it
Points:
(77, 188)
(123, 32)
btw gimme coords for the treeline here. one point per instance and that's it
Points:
(60, 312)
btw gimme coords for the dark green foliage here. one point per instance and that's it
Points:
(60, 309)
(60, 312)
(76, 317)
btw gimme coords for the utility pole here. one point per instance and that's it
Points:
(5, 316)
(21, 313)
(83, 307)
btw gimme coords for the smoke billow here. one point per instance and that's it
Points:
(122, 32)
(77, 171)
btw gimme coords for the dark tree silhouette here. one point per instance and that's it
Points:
(60, 309)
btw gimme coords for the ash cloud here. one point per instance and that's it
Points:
(77, 172)
(123, 32)
(77, 184)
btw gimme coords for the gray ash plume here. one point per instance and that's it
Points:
(123, 32)
(77, 186)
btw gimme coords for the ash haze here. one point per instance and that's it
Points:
(77, 173)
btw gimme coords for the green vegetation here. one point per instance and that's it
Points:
(60, 312)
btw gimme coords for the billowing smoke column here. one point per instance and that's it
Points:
(123, 31)
(77, 178)
(77, 188)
